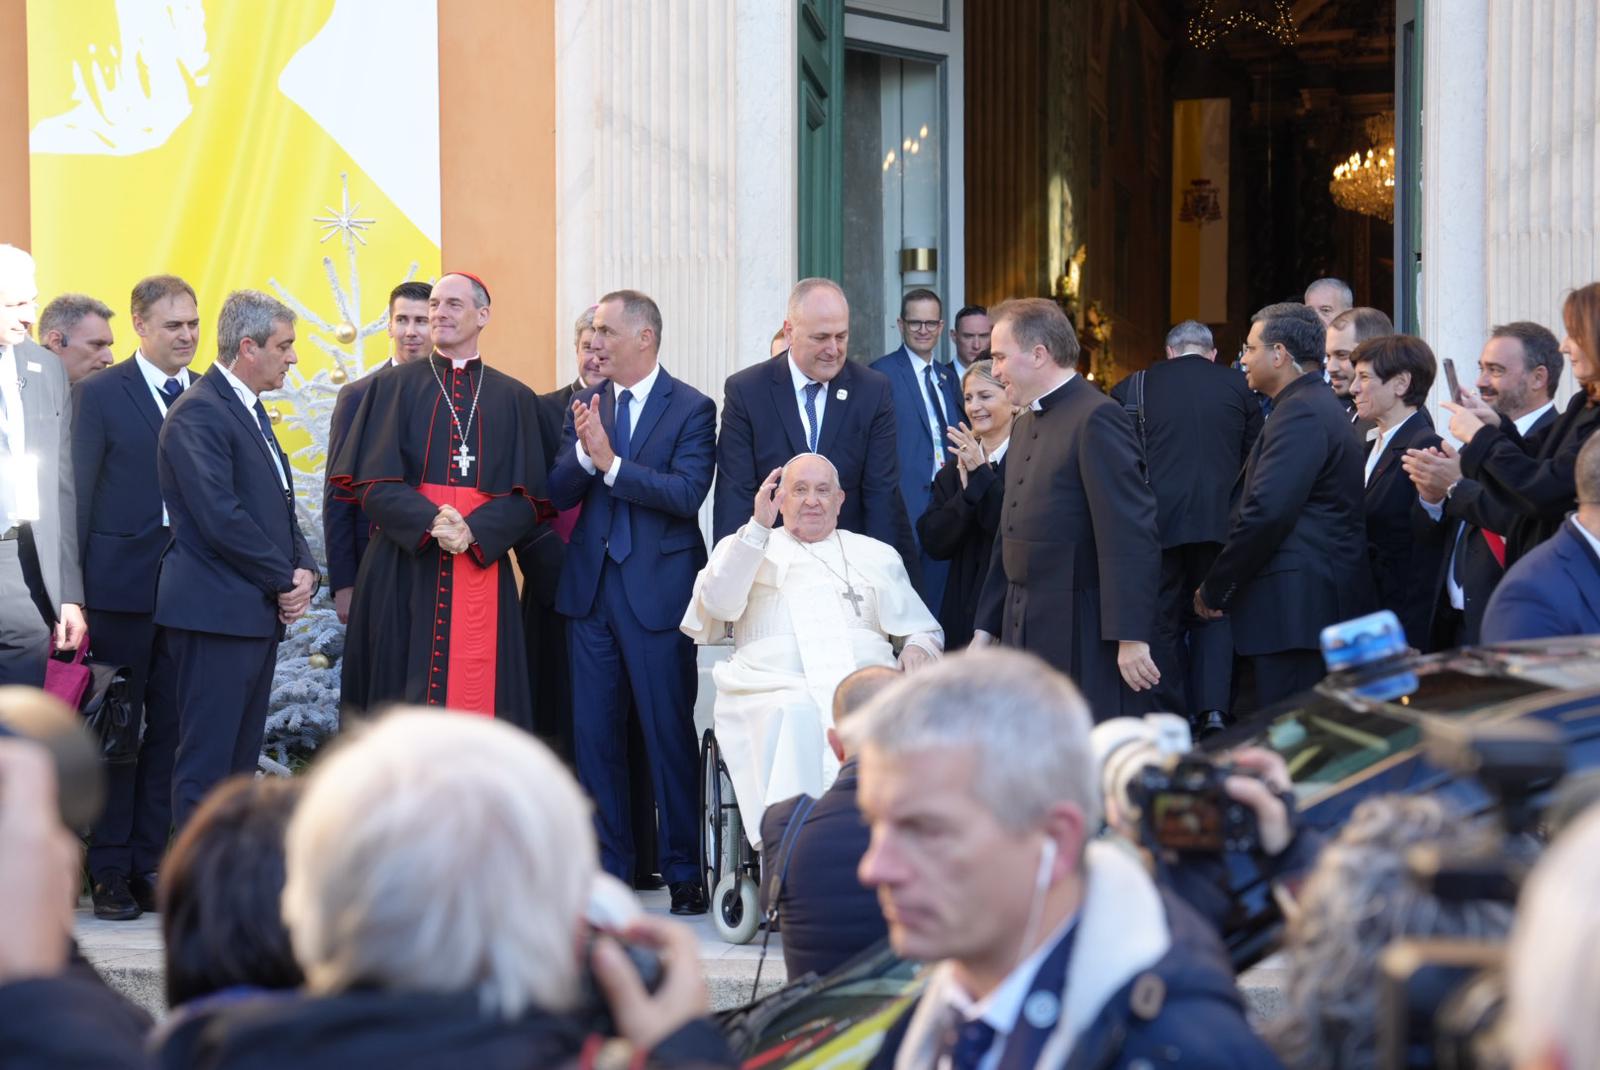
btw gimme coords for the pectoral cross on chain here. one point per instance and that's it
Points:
(464, 459)
(854, 597)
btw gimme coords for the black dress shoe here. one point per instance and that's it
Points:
(143, 887)
(688, 897)
(1210, 723)
(112, 900)
(648, 882)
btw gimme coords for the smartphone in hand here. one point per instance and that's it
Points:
(1450, 378)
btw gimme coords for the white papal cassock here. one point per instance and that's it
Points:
(804, 616)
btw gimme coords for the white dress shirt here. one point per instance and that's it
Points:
(800, 381)
(1590, 537)
(155, 379)
(11, 395)
(248, 399)
(1381, 443)
(1037, 403)
(1000, 451)
(19, 502)
(930, 405)
(639, 393)
(1003, 1006)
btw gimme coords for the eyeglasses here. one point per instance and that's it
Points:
(1246, 349)
(922, 325)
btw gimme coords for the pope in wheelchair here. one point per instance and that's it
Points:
(808, 605)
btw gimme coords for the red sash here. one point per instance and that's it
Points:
(1497, 546)
(472, 592)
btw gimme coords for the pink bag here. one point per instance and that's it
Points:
(68, 680)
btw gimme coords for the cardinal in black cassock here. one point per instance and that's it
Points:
(428, 626)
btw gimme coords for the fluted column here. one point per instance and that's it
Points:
(675, 171)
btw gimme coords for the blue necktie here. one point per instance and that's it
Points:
(812, 390)
(619, 542)
(172, 388)
(933, 396)
(972, 1044)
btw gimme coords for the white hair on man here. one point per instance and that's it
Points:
(16, 265)
(802, 456)
(1190, 336)
(1027, 724)
(1553, 963)
(440, 852)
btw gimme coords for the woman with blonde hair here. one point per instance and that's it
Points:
(964, 508)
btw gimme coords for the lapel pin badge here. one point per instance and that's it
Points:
(842, 394)
(34, 367)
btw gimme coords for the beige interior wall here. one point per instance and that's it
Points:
(14, 122)
(497, 138)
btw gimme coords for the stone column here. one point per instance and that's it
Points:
(1454, 189)
(675, 172)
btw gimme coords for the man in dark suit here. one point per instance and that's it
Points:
(811, 849)
(1198, 420)
(812, 399)
(41, 587)
(1517, 374)
(238, 569)
(1346, 331)
(345, 528)
(1292, 563)
(927, 403)
(1555, 589)
(638, 453)
(1076, 561)
(123, 530)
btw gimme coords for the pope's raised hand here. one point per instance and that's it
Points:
(769, 499)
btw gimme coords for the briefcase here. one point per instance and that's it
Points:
(101, 693)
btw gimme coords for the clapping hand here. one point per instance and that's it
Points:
(592, 433)
(967, 448)
(1433, 471)
(293, 603)
(1470, 416)
(769, 500)
(450, 530)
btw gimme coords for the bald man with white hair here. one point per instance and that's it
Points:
(809, 604)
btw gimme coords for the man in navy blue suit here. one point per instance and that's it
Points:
(122, 531)
(238, 569)
(637, 452)
(813, 399)
(345, 529)
(927, 402)
(1555, 588)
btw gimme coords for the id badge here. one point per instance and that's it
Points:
(23, 475)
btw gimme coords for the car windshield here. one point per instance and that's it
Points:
(1353, 721)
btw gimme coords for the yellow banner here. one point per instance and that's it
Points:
(1200, 210)
(207, 140)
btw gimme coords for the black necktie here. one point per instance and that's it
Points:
(933, 395)
(972, 1043)
(172, 388)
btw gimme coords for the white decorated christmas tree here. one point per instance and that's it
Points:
(304, 709)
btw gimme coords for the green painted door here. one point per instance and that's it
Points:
(821, 125)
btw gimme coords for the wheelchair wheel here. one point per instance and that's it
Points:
(711, 801)
(735, 909)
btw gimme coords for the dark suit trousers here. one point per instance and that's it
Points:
(131, 835)
(222, 684)
(660, 666)
(1284, 674)
(24, 636)
(1195, 656)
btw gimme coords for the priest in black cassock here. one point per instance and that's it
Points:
(445, 457)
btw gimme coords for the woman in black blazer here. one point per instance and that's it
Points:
(964, 510)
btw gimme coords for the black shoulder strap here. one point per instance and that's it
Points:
(780, 872)
(1133, 403)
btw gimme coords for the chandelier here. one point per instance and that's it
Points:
(1365, 183)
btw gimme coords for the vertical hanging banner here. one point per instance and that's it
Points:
(1200, 210)
(237, 145)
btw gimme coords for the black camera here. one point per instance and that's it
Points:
(1185, 807)
(593, 1009)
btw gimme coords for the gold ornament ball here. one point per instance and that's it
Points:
(337, 375)
(345, 333)
(319, 660)
(274, 415)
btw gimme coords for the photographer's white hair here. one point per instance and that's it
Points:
(1027, 724)
(441, 852)
(1553, 963)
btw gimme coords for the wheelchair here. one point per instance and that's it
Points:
(731, 867)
